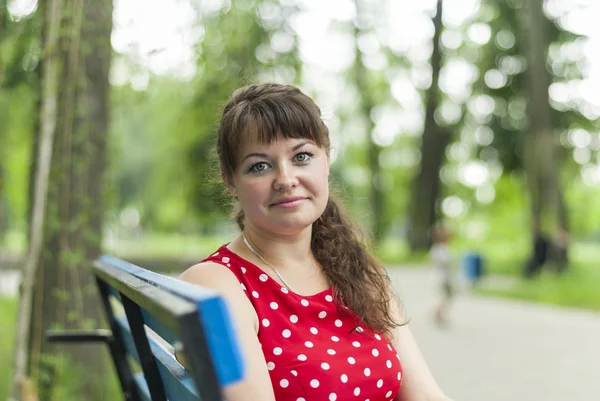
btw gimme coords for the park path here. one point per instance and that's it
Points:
(504, 350)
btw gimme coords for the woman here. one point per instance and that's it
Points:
(313, 310)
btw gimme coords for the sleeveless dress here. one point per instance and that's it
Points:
(311, 351)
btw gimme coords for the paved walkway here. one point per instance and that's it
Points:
(500, 350)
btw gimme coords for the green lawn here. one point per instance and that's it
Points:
(8, 313)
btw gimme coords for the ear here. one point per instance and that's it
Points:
(230, 186)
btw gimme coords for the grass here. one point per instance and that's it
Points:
(579, 287)
(68, 384)
(8, 311)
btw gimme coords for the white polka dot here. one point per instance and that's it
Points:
(255, 294)
(325, 366)
(390, 347)
(277, 351)
(304, 302)
(388, 394)
(399, 375)
(284, 383)
(225, 259)
(243, 270)
(351, 360)
(367, 372)
(243, 287)
(286, 333)
(294, 372)
(309, 344)
(263, 277)
(344, 378)
(335, 339)
(314, 383)
(300, 399)
(397, 357)
(215, 254)
(356, 344)
(322, 314)
(360, 330)
(294, 319)
(338, 323)
(270, 365)
(228, 265)
(331, 352)
(388, 363)
(356, 391)
(314, 330)
(274, 305)
(377, 336)
(375, 352)
(379, 383)
(266, 322)
(329, 298)
(284, 290)
(302, 357)
(332, 397)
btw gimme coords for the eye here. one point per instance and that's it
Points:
(304, 157)
(258, 167)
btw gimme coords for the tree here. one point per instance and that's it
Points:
(67, 233)
(426, 185)
(541, 161)
(366, 103)
(516, 71)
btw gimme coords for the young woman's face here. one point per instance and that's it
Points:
(283, 186)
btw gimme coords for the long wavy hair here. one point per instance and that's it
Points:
(358, 280)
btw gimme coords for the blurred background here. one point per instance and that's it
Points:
(481, 115)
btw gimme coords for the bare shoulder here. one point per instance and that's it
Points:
(218, 277)
(210, 274)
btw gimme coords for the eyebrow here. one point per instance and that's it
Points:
(264, 155)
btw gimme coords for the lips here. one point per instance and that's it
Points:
(287, 200)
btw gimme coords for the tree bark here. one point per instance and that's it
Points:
(48, 117)
(426, 185)
(64, 291)
(549, 212)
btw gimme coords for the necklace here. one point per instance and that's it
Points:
(258, 255)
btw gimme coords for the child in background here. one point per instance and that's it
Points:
(441, 259)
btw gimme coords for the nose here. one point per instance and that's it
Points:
(285, 179)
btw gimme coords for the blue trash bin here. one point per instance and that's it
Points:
(473, 266)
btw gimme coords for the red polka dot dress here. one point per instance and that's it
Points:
(311, 351)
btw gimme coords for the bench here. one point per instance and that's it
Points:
(150, 316)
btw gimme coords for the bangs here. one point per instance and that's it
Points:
(269, 118)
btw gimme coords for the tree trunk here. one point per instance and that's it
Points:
(65, 294)
(366, 105)
(48, 116)
(549, 212)
(426, 185)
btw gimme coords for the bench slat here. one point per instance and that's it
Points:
(178, 383)
(213, 312)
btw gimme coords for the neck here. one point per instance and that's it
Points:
(283, 252)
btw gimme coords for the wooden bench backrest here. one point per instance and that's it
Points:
(181, 316)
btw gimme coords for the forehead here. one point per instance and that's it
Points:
(253, 143)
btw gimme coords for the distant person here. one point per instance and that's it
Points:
(314, 311)
(441, 259)
(541, 247)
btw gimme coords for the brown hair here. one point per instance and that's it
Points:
(359, 281)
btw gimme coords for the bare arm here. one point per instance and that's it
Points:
(418, 383)
(256, 385)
